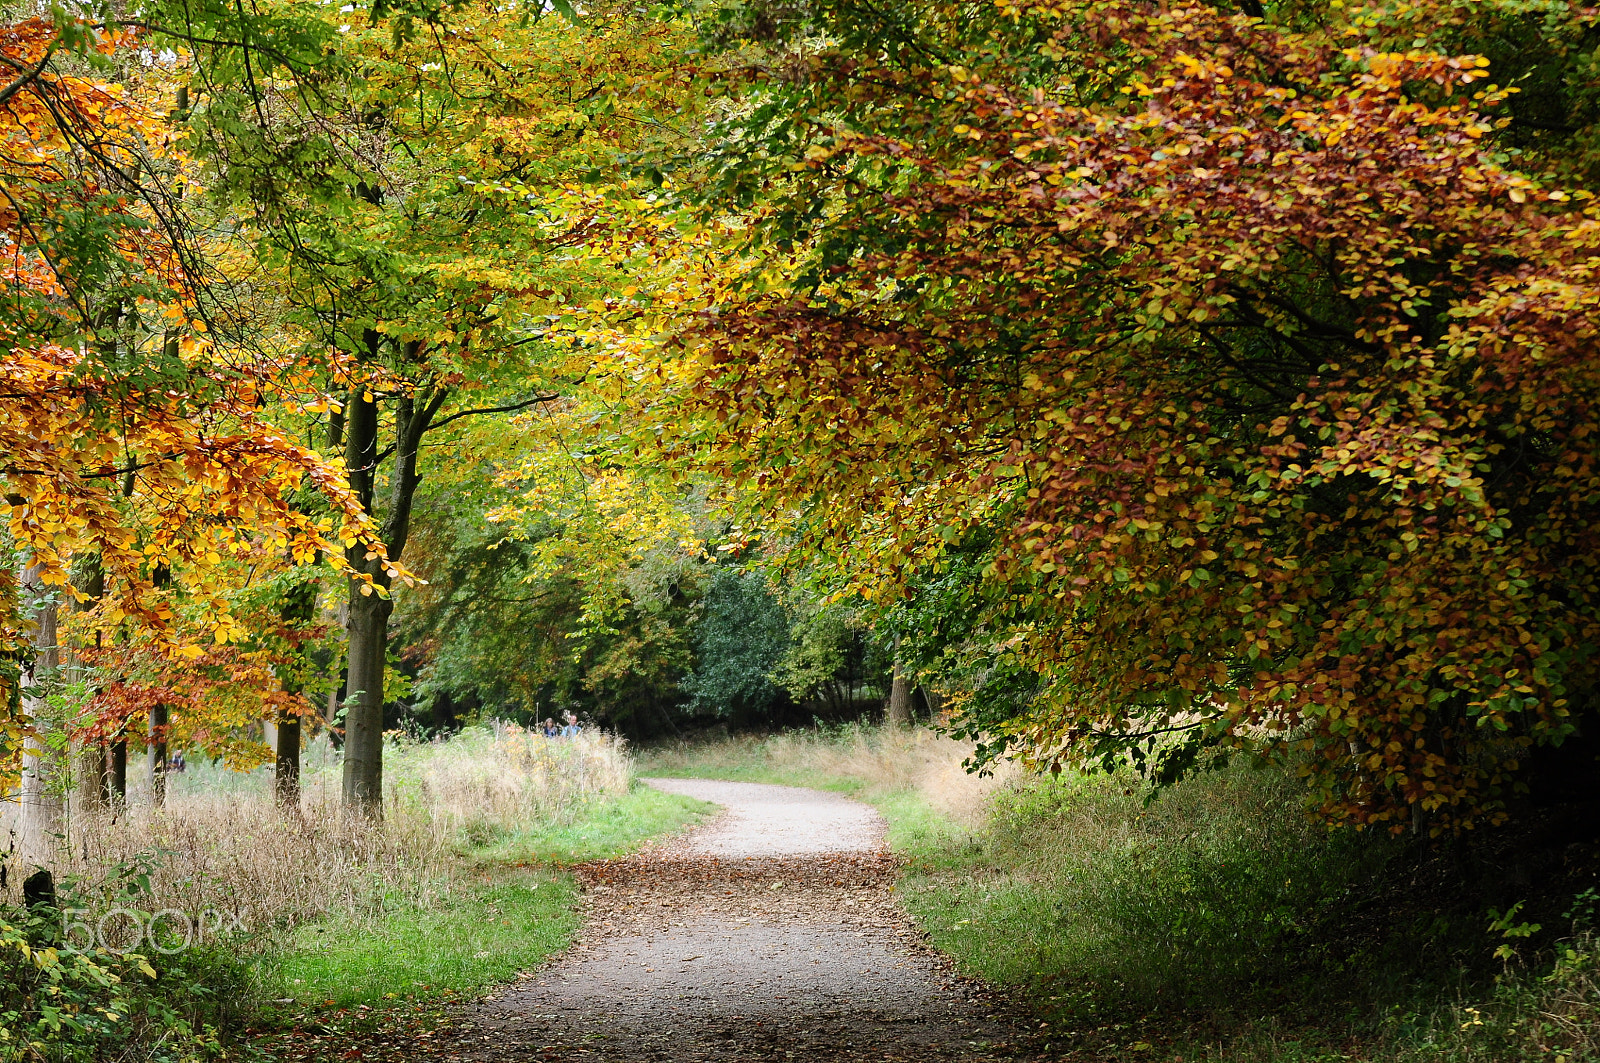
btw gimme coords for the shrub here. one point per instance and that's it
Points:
(66, 995)
(1552, 1016)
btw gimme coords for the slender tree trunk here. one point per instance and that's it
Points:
(299, 606)
(117, 776)
(92, 784)
(44, 756)
(160, 715)
(898, 711)
(160, 721)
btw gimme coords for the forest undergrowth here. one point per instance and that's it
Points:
(285, 927)
(1216, 922)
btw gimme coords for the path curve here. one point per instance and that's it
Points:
(769, 933)
(759, 820)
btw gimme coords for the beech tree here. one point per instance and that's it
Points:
(131, 431)
(1257, 365)
(409, 181)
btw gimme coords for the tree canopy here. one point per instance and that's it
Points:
(1249, 347)
(1150, 382)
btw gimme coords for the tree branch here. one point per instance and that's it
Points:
(25, 78)
(441, 422)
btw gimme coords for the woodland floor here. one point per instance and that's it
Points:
(770, 933)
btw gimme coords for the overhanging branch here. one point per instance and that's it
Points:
(513, 407)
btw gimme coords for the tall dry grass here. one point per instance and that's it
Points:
(221, 843)
(503, 776)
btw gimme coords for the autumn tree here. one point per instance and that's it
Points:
(133, 430)
(412, 188)
(1250, 360)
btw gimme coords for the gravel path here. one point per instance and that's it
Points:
(770, 933)
(777, 820)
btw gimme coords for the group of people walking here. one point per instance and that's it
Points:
(553, 730)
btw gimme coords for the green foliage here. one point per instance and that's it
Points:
(1546, 1012)
(67, 998)
(820, 652)
(554, 583)
(740, 640)
(834, 661)
(478, 632)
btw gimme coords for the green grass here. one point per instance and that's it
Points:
(509, 908)
(919, 832)
(1219, 891)
(476, 934)
(747, 763)
(608, 831)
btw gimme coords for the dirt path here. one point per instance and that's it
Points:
(770, 933)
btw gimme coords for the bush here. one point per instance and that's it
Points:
(1553, 1016)
(68, 996)
(1220, 892)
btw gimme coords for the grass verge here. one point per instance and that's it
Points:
(508, 910)
(476, 934)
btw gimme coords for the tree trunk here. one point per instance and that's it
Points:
(367, 624)
(44, 757)
(299, 606)
(286, 767)
(90, 776)
(899, 709)
(117, 776)
(92, 783)
(160, 716)
(368, 631)
(160, 719)
(898, 712)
